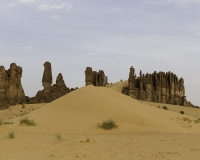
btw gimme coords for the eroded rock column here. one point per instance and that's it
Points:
(4, 94)
(47, 77)
(88, 76)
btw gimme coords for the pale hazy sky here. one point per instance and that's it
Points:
(161, 35)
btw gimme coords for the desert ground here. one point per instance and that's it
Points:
(67, 128)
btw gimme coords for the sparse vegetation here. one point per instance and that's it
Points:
(26, 121)
(186, 119)
(181, 112)
(11, 135)
(87, 140)
(197, 121)
(132, 96)
(23, 107)
(165, 107)
(158, 106)
(24, 113)
(7, 122)
(107, 125)
(59, 136)
(1, 121)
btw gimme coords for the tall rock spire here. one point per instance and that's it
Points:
(131, 81)
(88, 76)
(47, 77)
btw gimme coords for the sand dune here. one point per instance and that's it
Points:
(118, 86)
(89, 105)
(76, 115)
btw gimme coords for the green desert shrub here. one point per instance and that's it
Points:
(107, 125)
(27, 121)
(165, 107)
(181, 112)
(11, 135)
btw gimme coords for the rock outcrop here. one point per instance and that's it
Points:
(11, 90)
(47, 77)
(50, 92)
(95, 78)
(88, 76)
(157, 87)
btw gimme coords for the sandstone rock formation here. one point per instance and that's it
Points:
(95, 78)
(11, 90)
(157, 87)
(50, 92)
(47, 77)
(88, 76)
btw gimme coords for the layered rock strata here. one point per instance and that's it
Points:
(50, 92)
(11, 90)
(95, 78)
(157, 87)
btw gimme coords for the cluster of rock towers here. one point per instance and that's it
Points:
(50, 92)
(95, 78)
(156, 87)
(11, 91)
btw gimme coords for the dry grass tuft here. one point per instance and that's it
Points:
(26, 121)
(11, 135)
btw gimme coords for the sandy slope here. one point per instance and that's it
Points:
(18, 110)
(144, 132)
(118, 86)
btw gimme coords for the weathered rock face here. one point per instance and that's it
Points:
(131, 81)
(60, 82)
(11, 90)
(47, 77)
(4, 88)
(88, 76)
(95, 78)
(50, 92)
(157, 87)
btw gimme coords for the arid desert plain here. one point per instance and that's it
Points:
(67, 129)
